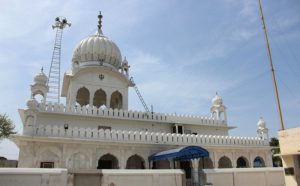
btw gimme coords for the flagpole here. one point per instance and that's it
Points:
(272, 67)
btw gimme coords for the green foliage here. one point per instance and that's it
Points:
(277, 162)
(6, 126)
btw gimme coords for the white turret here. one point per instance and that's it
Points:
(98, 76)
(262, 130)
(218, 110)
(40, 86)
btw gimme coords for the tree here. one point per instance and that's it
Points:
(274, 143)
(6, 126)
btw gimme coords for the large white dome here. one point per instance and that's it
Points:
(97, 50)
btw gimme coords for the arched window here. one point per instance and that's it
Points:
(99, 98)
(108, 161)
(259, 162)
(206, 163)
(242, 162)
(135, 162)
(116, 100)
(83, 96)
(225, 162)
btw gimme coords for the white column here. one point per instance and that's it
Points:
(108, 97)
(195, 171)
(92, 92)
(172, 164)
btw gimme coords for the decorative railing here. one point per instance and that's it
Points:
(132, 115)
(146, 137)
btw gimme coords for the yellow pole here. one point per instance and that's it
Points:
(272, 67)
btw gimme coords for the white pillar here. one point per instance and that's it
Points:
(195, 172)
(108, 97)
(172, 164)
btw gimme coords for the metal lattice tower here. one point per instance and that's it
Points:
(139, 95)
(54, 72)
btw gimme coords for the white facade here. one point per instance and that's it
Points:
(95, 128)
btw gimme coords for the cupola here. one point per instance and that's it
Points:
(97, 50)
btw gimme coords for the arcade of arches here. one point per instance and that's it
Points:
(109, 161)
(99, 98)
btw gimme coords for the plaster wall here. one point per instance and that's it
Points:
(289, 161)
(119, 124)
(33, 177)
(245, 177)
(289, 141)
(221, 131)
(129, 177)
(94, 122)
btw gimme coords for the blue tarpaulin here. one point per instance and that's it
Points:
(182, 153)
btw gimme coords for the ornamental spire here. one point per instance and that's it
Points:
(100, 16)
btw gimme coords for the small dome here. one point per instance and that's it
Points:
(261, 123)
(32, 103)
(217, 100)
(97, 50)
(41, 78)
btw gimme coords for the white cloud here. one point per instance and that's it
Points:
(250, 10)
(243, 34)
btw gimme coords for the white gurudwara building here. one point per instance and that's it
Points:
(95, 129)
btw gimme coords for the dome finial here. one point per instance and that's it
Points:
(42, 70)
(100, 16)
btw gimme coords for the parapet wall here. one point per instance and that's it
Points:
(146, 137)
(245, 177)
(33, 177)
(131, 115)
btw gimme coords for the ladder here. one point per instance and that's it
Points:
(54, 72)
(140, 96)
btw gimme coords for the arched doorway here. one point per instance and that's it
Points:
(99, 98)
(83, 96)
(258, 162)
(135, 162)
(205, 163)
(242, 162)
(225, 162)
(108, 161)
(186, 166)
(116, 100)
(161, 164)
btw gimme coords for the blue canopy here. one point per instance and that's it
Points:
(182, 153)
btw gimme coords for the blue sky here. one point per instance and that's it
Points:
(180, 52)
